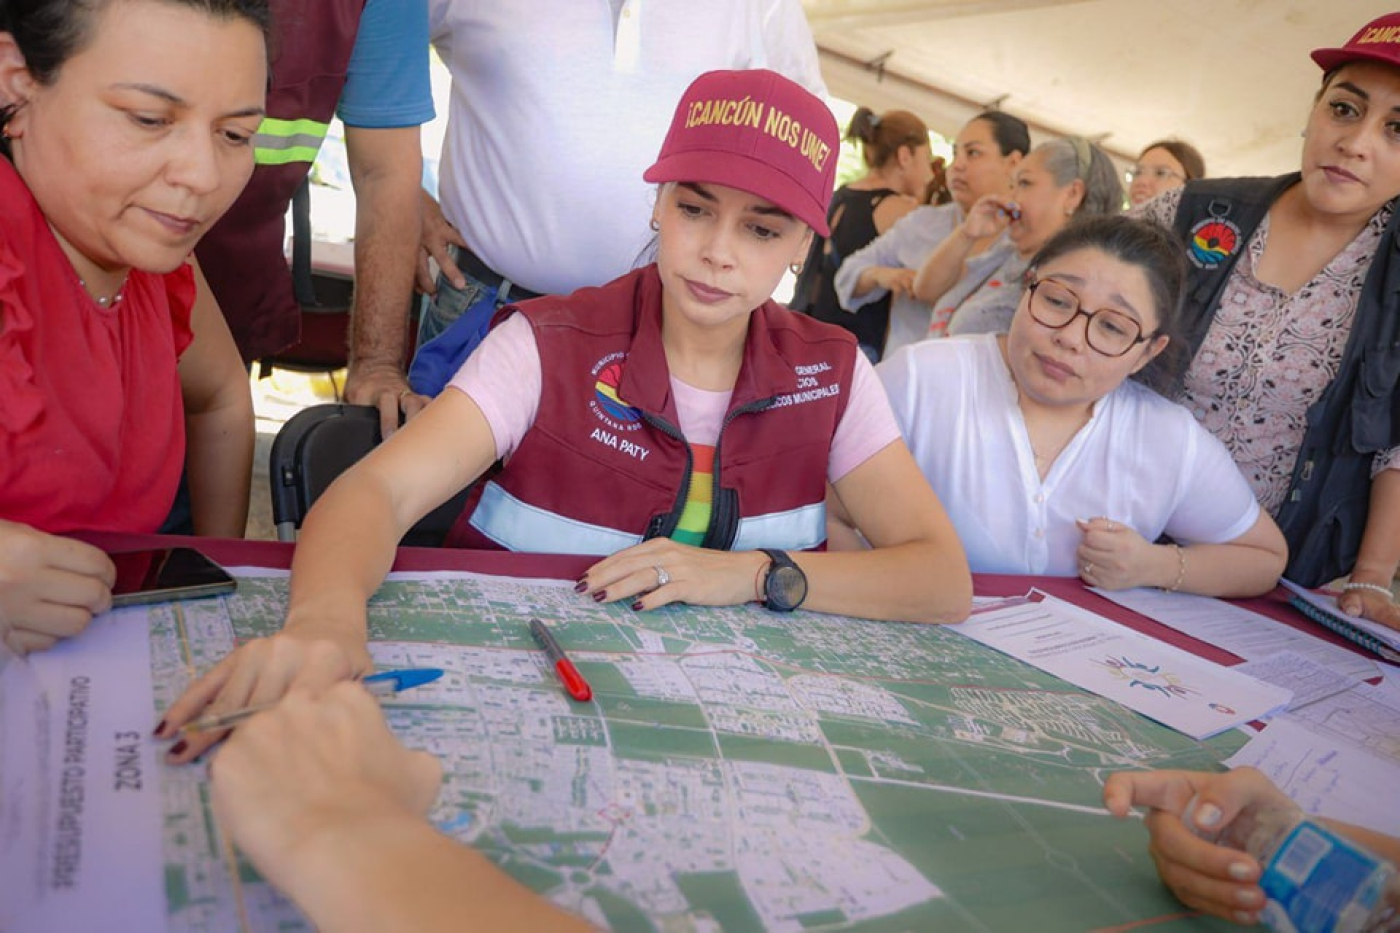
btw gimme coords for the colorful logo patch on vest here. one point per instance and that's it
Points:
(1212, 242)
(606, 403)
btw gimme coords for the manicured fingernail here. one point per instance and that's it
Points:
(1253, 898)
(581, 585)
(637, 606)
(1241, 871)
(599, 596)
(179, 747)
(1246, 917)
(1206, 815)
(160, 727)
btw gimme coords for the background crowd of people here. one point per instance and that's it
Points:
(1199, 395)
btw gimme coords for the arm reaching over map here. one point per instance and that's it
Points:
(328, 805)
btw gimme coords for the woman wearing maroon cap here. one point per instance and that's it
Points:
(1294, 320)
(676, 422)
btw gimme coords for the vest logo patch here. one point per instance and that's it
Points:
(1213, 241)
(606, 404)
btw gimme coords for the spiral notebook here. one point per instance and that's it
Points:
(1322, 609)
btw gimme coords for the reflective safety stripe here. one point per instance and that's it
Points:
(519, 526)
(797, 530)
(278, 142)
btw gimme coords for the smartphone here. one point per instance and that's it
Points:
(163, 574)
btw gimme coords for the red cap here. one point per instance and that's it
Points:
(1378, 41)
(758, 132)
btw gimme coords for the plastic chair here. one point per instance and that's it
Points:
(315, 446)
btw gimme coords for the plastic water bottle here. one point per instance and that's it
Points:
(1315, 880)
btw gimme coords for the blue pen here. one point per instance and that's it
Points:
(383, 684)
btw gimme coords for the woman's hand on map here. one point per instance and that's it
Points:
(307, 656)
(1210, 878)
(660, 571)
(311, 765)
(50, 587)
(330, 807)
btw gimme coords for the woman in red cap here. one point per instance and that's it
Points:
(676, 422)
(1293, 318)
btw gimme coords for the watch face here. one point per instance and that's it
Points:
(787, 587)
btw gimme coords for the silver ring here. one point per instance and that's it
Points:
(662, 577)
(1087, 567)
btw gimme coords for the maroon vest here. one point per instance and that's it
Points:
(604, 465)
(242, 255)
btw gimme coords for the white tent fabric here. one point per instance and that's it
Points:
(1232, 77)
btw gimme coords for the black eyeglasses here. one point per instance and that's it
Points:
(1109, 332)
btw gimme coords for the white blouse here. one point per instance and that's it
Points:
(1141, 461)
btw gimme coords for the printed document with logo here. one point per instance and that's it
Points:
(1237, 630)
(1165, 683)
(80, 801)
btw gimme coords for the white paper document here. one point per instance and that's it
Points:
(1309, 681)
(80, 815)
(1365, 716)
(1246, 634)
(1325, 774)
(1162, 682)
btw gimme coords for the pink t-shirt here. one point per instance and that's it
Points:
(504, 378)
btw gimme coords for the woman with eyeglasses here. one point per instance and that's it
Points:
(1164, 165)
(1051, 456)
(1059, 180)
(1293, 325)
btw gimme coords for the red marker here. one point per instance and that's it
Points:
(568, 674)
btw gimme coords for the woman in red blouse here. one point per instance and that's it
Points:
(127, 130)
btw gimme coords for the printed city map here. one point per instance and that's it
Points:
(736, 770)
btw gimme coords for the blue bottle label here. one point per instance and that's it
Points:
(1318, 882)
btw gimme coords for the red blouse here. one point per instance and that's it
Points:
(92, 428)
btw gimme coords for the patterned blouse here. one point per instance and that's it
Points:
(1268, 355)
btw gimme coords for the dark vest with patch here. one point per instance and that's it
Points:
(1357, 416)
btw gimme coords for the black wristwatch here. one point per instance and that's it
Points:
(785, 586)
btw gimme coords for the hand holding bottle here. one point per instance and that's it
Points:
(1233, 845)
(1207, 877)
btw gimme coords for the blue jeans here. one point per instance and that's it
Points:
(451, 325)
(439, 311)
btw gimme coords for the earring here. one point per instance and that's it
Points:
(1069, 212)
(655, 225)
(795, 268)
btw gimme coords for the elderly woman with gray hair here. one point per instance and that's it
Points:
(1059, 180)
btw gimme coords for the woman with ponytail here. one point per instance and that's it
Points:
(896, 150)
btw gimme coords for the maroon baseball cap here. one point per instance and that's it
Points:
(758, 132)
(1378, 41)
